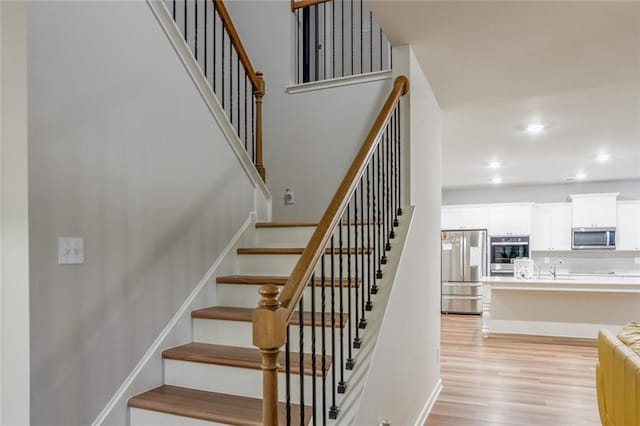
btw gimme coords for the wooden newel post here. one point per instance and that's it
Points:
(259, 93)
(269, 335)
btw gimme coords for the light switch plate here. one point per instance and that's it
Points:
(636, 260)
(547, 260)
(70, 251)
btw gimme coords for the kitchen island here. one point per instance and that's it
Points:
(565, 306)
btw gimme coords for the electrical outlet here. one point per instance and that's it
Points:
(438, 354)
(547, 260)
(289, 197)
(70, 251)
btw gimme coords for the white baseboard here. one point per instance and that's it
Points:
(184, 309)
(550, 328)
(422, 418)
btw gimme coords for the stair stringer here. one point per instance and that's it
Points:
(148, 372)
(350, 402)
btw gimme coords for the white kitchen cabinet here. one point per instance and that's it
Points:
(594, 210)
(628, 227)
(551, 227)
(510, 219)
(464, 217)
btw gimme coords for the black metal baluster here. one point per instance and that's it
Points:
(253, 127)
(313, 348)
(333, 39)
(301, 355)
(195, 29)
(287, 369)
(396, 169)
(185, 22)
(238, 91)
(306, 45)
(380, 32)
(297, 14)
(374, 202)
(324, 41)
(370, 41)
(324, 342)
(215, 35)
(399, 161)
(342, 36)
(222, 62)
(359, 257)
(205, 37)
(363, 321)
(394, 206)
(361, 40)
(370, 223)
(174, 10)
(333, 411)
(246, 89)
(383, 198)
(231, 49)
(342, 386)
(316, 43)
(379, 217)
(351, 39)
(387, 147)
(350, 362)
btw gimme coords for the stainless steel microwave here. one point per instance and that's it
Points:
(593, 238)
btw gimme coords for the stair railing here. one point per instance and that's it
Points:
(337, 38)
(209, 32)
(341, 261)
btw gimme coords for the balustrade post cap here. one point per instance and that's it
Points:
(403, 82)
(269, 293)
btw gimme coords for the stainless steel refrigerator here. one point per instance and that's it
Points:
(464, 263)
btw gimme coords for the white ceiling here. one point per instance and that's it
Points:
(496, 66)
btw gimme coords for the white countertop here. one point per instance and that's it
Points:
(579, 283)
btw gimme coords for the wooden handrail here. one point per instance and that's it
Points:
(237, 43)
(276, 309)
(295, 5)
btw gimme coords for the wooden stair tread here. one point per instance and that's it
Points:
(210, 406)
(297, 250)
(242, 357)
(230, 313)
(266, 279)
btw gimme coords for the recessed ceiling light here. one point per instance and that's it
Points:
(603, 156)
(494, 165)
(580, 175)
(535, 128)
(496, 180)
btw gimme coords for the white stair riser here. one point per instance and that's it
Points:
(233, 380)
(140, 417)
(239, 333)
(283, 264)
(284, 237)
(247, 296)
(299, 236)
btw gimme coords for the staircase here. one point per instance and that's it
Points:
(217, 377)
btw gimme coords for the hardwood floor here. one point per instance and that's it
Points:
(513, 380)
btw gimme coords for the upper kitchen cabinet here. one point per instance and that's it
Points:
(628, 229)
(465, 217)
(510, 219)
(551, 227)
(594, 210)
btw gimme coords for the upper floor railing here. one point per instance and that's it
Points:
(337, 38)
(334, 278)
(209, 32)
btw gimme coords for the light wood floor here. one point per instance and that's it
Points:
(513, 380)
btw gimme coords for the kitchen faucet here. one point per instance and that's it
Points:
(554, 268)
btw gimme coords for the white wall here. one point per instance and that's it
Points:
(405, 369)
(14, 215)
(124, 153)
(309, 138)
(628, 189)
